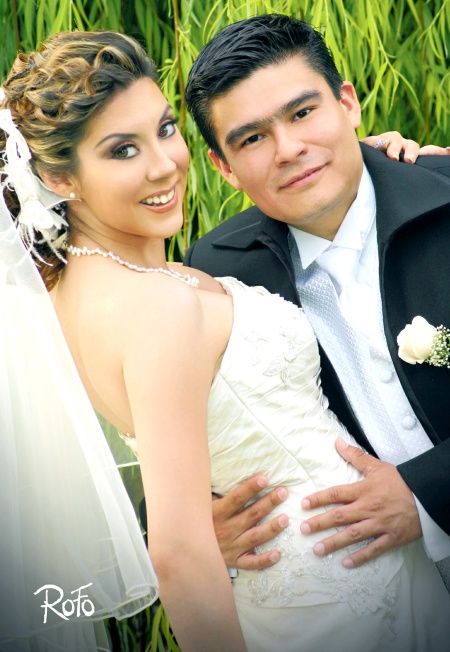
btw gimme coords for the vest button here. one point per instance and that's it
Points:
(386, 376)
(409, 422)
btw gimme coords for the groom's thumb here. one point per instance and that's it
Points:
(356, 456)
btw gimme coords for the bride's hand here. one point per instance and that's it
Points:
(396, 146)
(237, 529)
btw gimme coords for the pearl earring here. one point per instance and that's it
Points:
(72, 195)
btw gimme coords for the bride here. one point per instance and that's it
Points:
(214, 380)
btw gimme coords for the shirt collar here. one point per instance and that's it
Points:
(353, 231)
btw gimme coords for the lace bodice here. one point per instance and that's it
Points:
(266, 411)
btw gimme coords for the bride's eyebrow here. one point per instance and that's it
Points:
(168, 111)
(117, 136)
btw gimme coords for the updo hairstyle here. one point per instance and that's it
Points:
(53, 94)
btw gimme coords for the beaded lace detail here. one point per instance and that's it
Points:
(284, 345)
(358, 587)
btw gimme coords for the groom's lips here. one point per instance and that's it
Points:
(303, 179)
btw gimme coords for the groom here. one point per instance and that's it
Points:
(363, 245)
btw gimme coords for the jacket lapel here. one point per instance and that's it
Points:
(403, 192)
(258, 229)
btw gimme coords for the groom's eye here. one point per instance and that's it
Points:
(302, 113)
(251, 139)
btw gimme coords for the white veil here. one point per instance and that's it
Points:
(65, 517)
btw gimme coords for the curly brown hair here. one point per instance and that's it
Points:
(54, 93)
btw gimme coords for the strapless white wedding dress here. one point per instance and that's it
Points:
(267, 414)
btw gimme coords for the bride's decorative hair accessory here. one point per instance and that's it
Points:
(36, 200)
(186, 278)
(421, 342)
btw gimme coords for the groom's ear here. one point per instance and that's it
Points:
(225, 170)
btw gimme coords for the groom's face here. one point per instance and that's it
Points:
(291, 145)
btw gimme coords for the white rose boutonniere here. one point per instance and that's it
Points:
(421, 342)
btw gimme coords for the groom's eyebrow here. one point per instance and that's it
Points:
(240, 132)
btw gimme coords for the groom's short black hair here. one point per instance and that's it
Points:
(240, 49)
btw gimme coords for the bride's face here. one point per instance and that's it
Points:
(132, 168)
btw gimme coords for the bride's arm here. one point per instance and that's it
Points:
(168, 368)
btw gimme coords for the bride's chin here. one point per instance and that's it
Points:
(174, 225)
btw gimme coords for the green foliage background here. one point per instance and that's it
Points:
(396, 52)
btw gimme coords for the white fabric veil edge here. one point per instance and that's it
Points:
(65, 517)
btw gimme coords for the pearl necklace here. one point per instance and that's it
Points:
(185, 278)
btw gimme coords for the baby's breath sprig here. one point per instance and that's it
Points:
(440, 350)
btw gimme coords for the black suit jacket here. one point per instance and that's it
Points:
(413, 226)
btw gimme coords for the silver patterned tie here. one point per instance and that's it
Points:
(349, 352)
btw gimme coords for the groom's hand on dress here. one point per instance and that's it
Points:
(238, 528)
(380, 505)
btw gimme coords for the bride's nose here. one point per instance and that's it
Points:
(160, 163)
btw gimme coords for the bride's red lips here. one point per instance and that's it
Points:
(160, 207)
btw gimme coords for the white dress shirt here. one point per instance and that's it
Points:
(355, 278)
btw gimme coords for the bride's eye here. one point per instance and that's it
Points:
(167, 129)
(125, 151)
